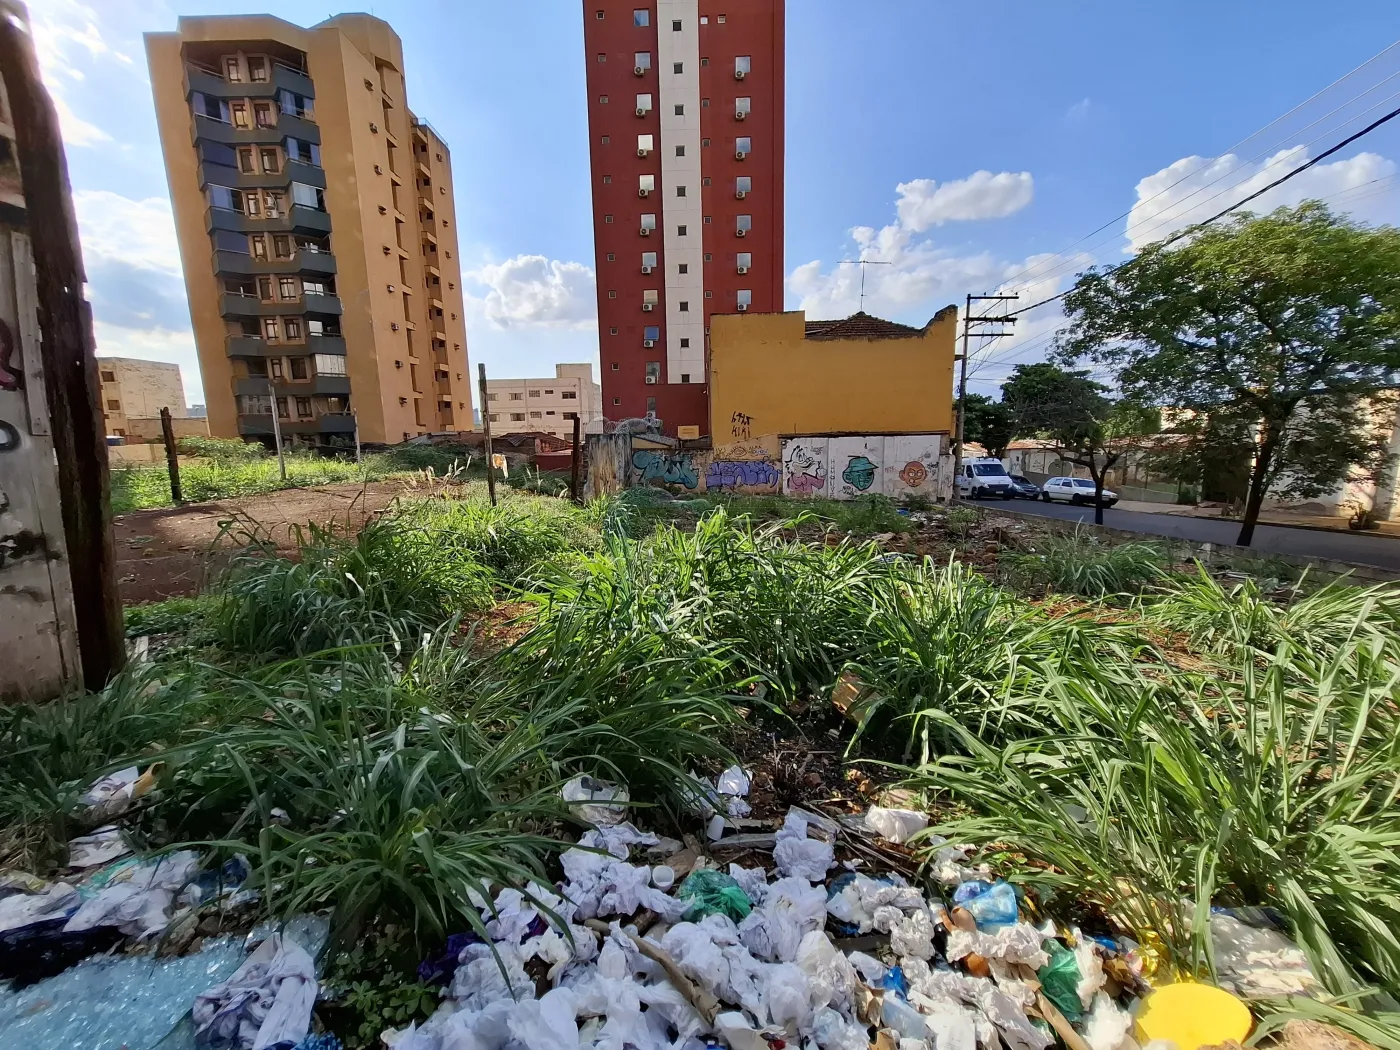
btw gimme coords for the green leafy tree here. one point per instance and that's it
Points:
(1280, 332)
(1087, 426)
(988, 423)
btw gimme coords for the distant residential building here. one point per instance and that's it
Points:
(133, 389)
(317, 230)
(198, 412)
(547, 405)
(685, 130)
(779, 373)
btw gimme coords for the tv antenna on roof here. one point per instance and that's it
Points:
(863, 263)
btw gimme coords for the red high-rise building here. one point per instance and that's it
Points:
(685, 123)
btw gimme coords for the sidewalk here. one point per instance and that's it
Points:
(1287, 519)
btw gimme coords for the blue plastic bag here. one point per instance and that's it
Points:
(991, 904)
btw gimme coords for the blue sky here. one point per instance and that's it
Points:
(967, 144)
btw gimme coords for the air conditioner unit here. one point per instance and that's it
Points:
(742, 307)
(374, 127)
(651, 379)
(394, 326)
(644, 193)
(739, 74)
(646, 231)
(740, 233)
(378, 170)
(641, 153)
(739, 154)
(648, 307)
(648, 343)
(639, 70)
(742, 269)
(642, 112)
(740, 194)
(646, 269)
(741, 114)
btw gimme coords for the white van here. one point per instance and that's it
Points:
(984, 479)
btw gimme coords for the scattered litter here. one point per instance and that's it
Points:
(590, 798)
(22, 909)
(733, 787)
(663, 877)
(895, 825)
(267, 1001)
(134, 895)
(712, 892)
(796, 854)
(101, 847)
(1107, 1026)
(121, 784)
(1011, 944)
(1192, 1015)
(991, 904)
(1258, 962)
(1059, 980)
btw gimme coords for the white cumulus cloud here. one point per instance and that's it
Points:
(532, 290)
(924, 203)
(1195, 188)
(68, 37)
(138, 233)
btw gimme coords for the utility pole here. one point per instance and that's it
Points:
(863, 263)
(968, 322)
(276, 430)
(172, 456)
(486, 431)
(577, 457)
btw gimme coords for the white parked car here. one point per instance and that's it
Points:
(1074, 490)
(984, 479)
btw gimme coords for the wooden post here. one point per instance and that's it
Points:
(277, 429)
(486, 431)
(576, 458)
(172, 456)
(67, 353)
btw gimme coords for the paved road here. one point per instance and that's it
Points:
(1356, 548)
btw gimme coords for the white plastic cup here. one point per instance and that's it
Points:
(663, 876)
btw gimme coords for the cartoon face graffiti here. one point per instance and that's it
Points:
(859, 473)
(805, 470)
(914, 474)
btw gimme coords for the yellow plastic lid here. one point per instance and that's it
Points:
(1193, 1015)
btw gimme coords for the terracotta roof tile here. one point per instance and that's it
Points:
(860, 326)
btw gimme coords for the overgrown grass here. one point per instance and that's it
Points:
(1085, 564)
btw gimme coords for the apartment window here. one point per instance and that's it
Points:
(259, 245)
(271, 163)
(257, 367)
(245, 161)
(652, 332)
(680, 151)
(641, 17)
(680, 231)
(644, 143)
(613, 330)
(321, 287)
(644, 102)
(709, 295)
(304, 196)
(109, 377)
(276, 366)
(707, 220)
(517, 417)
(684, 307)
(685, 342)
(262, 115)
(493, 397)
(704, 103)
(517, 396)
(603, 99)
(742, 64)
(611, 258)
(709, 257)
(680, 111)
(616, 367)
(743, 184)
(568, 395)
(602, 57)
(257, 70)
(704, 142)
(607, 218)
(570, 415)
(641, 60)
(743, 223)
(607, 180)
(651, 406)
(685, 377)
(745, 297)
(722, 18)
(270, 328)
(743, 145)
(303, 408)
(536, 415)
(704, 20)
(649, 221)
(238, 113)
(547, 393)
(683, 268)
(534, 393)
(298, 368)
(646, 183)
(287, 287)
(606, 139)
(598, 15)
(680, 191)
(649, 259)
(650, 296)
(612, 294)
(742, 106)
(292, 326)
(265, 289)
(704, 61)
(233, 72)
(329, 364)
(282, 246)
(744, 260)
(676, 25)
(617, 400)
(495, 417)
(114, 405)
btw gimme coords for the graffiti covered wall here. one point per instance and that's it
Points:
(897, 466)
(750, 467)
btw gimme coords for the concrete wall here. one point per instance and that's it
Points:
(132, 389)
(149, 429)
(766, 377)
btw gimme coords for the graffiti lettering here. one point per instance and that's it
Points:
(669, 468)
(739, 425)
(727, 474)
(805, 468)
(859, 473)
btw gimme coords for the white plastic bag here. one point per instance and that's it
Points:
(796, 854)
(896, 825)
(547, 1023)
(590, 799)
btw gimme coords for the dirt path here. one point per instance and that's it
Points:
(172, 551)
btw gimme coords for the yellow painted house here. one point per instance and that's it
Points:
(778, 373)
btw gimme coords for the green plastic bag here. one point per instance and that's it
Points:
(713, 893)
(1059, 980)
